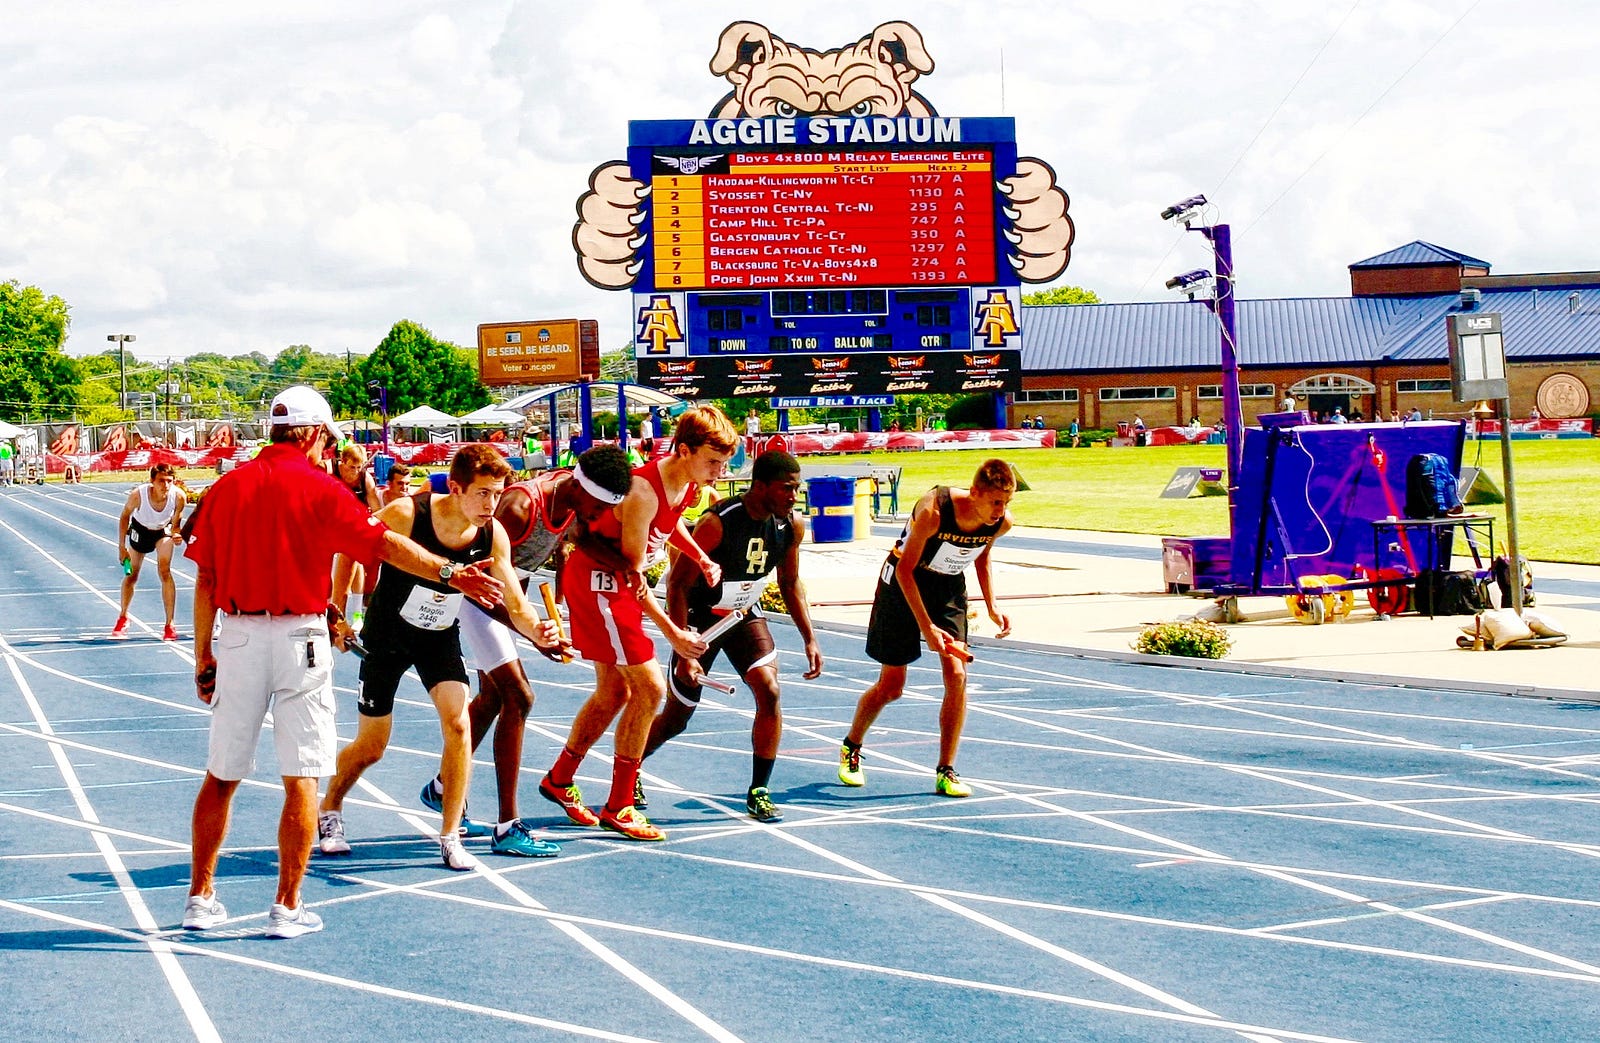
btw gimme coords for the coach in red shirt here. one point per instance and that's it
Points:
(263, 544)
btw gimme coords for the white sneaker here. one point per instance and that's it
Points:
(455, 856)
(283, 922)
(330, 834)
(201, 913)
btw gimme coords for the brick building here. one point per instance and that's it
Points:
(1382, 349)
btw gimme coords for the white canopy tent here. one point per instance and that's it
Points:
(638, 395)
(423, 416)
(9, 431)
(493, 416)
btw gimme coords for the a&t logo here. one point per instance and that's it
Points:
(997, 320)
(659, 327)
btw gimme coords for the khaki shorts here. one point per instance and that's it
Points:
(277, 665)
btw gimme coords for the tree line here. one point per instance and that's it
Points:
(39, 382)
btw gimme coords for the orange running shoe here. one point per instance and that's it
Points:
(170, 634)
(571, 800)
(630, 823)
(120, 630)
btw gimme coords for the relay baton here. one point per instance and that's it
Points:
(715, 685)
(723, 625)
(352, 643)
(554, 613)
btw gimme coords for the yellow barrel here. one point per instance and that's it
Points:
(863, 508)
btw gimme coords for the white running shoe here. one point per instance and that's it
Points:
(201, 913)
(330, 834)
(455, 856)
(283, 922)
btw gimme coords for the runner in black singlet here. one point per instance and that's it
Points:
(922, 595)
(413, 622)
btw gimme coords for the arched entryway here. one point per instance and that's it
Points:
(1322, 394)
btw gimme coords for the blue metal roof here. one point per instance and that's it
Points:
(1301, 331)
(1418, 252)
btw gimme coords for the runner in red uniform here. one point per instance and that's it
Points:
(607, 607)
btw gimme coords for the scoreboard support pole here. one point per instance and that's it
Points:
(999, 400)
(622, 416)
(585, 417)
(874, 419)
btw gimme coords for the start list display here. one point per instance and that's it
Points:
(825, 256)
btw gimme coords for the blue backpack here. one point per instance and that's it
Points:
(1431, 487)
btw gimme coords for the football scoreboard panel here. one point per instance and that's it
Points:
(776, 247)
(829, 342)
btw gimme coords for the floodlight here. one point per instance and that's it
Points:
(1185, 211)
(1188, 280)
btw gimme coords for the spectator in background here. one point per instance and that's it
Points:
(1287, 405)
(1075, 432)
(398, 485)
(1394, 416)
(1027, 423)
(752, 424)
(1415, 414)
(1338, 416)
(1534, 414)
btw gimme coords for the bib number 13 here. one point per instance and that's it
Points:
(602, 582)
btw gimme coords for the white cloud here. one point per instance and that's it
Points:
(244, 177)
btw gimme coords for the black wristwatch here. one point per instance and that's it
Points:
(447, 570)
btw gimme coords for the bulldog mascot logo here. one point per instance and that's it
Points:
(772, 77)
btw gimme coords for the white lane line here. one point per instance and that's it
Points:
(828, 816)
(183, 989)
(613, 959)
(378, 889)
(216, 953)
(1078, 960)
(52, 559)
(1291, 878)
(98, 537)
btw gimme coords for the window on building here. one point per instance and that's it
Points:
(1046, 395)
(1245, 391)
(1137, 394)
(1421, 387)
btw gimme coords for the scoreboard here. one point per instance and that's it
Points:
(825, 256)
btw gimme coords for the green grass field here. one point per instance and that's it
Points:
(1116, 490)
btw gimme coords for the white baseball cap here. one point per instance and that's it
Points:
(299, 406)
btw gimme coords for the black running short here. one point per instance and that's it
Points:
(893, 637)
(435, 654)
(748, 645)
(141, 539)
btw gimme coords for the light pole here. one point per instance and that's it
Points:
(122, 340)
(380, 398)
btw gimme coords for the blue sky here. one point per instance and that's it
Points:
(248, 176)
